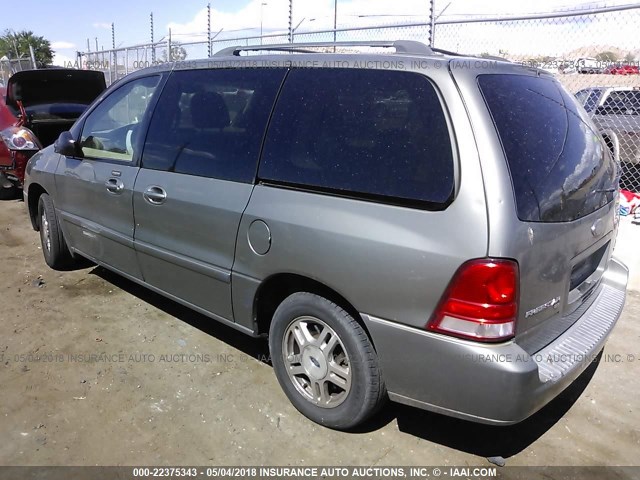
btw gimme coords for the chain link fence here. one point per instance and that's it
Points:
(10, 66)
(595, 53)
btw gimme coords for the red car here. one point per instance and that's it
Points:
(622, 70)
(35, 107)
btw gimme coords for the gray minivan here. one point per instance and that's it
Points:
(420, 226)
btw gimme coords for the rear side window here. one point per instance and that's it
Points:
(211, 123)
(365, 133)
(556, 158)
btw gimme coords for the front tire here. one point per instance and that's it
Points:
(55, 250)
(8, 193)
(325, 362)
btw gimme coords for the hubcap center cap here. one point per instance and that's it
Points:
(314, 362)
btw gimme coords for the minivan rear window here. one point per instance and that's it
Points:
(558, 163)
(367, 134)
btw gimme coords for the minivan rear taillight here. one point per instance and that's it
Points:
(481, 302)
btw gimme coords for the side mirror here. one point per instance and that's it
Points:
(66, 145)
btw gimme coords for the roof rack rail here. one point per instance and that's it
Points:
(458, 54)
(402, 46)
(448, 52)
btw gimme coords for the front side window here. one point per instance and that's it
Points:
(110, 130)
(379, 135)
(211, 123)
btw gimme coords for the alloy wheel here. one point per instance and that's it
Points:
(317, 362)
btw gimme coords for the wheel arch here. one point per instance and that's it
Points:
(275, 288)
(35, 192)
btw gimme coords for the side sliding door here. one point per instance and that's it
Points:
(198, 169)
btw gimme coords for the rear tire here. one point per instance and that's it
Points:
(325, 362)
(55, 250)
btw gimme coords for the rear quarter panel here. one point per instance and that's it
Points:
(387, 261)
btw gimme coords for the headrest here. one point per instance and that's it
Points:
(208, 110)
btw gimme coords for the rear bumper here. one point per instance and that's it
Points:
(495, 384)
(13, 168)
(15, 177)
(7, 181)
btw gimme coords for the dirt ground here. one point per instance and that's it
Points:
(98, 371)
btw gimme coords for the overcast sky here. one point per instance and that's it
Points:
(69, 23)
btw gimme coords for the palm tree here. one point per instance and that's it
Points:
(607, 57)
(15, 45)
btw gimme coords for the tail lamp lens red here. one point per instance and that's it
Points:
(481, 302)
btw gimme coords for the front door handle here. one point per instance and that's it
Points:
(114, 185)
(155, 195)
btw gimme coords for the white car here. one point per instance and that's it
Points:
(588, 65)
(616, 109)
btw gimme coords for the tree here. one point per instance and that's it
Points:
(16, 45)
(629, 57)
(607, 57)
(178, 53)
(501, 54)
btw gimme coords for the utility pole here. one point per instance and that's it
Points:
(153, 45)
(33, 57)
(432, 21)
(261, 15)
(208, 30)
(113, 49)
(335, 21)
(169, 56)
(290, 21)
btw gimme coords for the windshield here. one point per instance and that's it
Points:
(588, 98)
(559, 166)
(621, 103)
